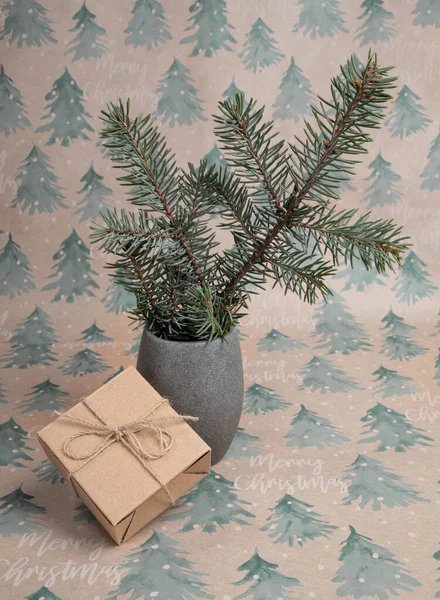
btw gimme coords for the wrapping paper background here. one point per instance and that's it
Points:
(56, 551)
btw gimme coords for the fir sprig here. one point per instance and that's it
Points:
(276, 198)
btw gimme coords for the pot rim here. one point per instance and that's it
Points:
(189, 342)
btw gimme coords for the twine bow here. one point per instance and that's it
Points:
(126, 434)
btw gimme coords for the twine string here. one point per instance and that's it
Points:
(126, 435)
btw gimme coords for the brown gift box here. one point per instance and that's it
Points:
(115, 486)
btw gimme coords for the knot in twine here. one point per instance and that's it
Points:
(126, 435)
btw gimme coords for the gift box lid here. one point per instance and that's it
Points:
(115, 480)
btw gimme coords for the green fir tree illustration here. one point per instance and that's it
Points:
(370, 481)
(377, 23)
(134, 348)
(413, 282)
(398, 344)
(264, 580)
(15, 271)
(427, 13)
(391, 430)
(13, 114)
(3, 399)
(161, 567)
(321, 374)
(310, 430)
(148, 26)
(293, 521)
(95, 196)
(407, 115)
(88, 41)
(320, 17)
(65, 108)
(260, 49)
(44, 396)
(94, 335)
(390, 383)
(275, 341)
(83, 514)
(293, 101)
(26, 23)
(113, 375)
(243, 444)
(431, 173)
(43, 594)
(231, 91)
(13, 447)
(83, 363)
(437, 557)
(384, 188)
(212, 503)
(212, 30)
(337, 329)
(32, 342)
(72, 271)
(117, 299)
(261, 399)
(215, 158)
(178, 98)
(370, 571)
(359, 277)
(38, 191)
(48, 472)
(18, 514)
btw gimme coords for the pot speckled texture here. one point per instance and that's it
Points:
(202, 379)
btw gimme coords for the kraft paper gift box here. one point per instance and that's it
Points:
(122, 491)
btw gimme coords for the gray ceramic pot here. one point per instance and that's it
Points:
(202, 379)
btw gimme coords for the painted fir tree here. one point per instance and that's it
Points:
(88, 42)
(83, 363)
(43, 593)
(18, 514)
(310, 430)
(407, 115)
(431, 173)
(212, 30)
(15, 271)
(398, 344)
(161, 567)
(178, 98)
(293, 521)
(427, 13)
(3, 398)
(38, 190)
(32, 342)
(391, 430)
(260, 49)
(390, 383)
(275, 341)
(243, 444)
(95, 196)
(231, 91)
(148, 26)
(48, 472)
(84, 514)
(413, 282)
(261, 399)
(13, 114)
(264, 581)
(26, 23)
(369, 570)
(134, 348)
(337, 329)
(94, 335)
(72, 271)
(65, 108)
(44, 396)
(117, 299)
(384, 189)
(212, 503)
(370, 481)
(294, 98)
(321, 374)
(377, 23)
(320, 17)
(215, 158)
(13, 447)
(359, 277)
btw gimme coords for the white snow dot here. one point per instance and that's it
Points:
(361, 580)
(397, 576)
(375, 555)
(255, 577)
(320, 567)
(166, 567)
(154, 594)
